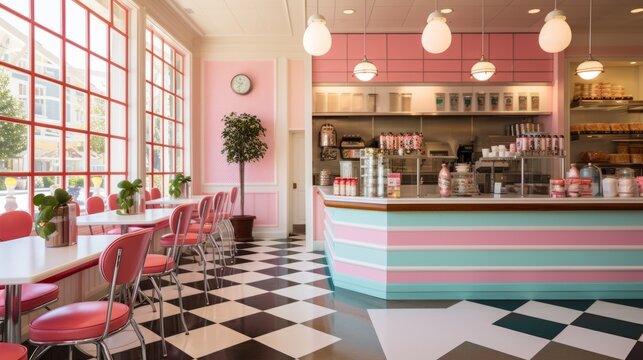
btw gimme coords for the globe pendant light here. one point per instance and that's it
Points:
(365, 70)
(590, 68)
(555, 35)
(436, 37)
(317, 40)
(483, 69)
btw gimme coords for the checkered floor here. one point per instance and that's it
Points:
(277, 302)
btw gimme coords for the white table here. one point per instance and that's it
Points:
(27, 260)
(194, 199)
(149, 217)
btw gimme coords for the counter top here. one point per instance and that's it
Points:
(485, 202)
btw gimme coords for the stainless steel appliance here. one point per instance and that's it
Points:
(327, 136)
(350, 146)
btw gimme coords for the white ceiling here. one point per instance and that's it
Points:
(224, 18)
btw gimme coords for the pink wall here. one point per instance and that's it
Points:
(296, 91)
(220, 100)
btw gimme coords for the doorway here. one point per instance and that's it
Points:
(297, 183)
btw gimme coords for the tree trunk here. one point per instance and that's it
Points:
(241, 185)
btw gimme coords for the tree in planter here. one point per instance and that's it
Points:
(242, 142)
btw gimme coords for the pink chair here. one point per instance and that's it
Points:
(111, 202)
(93, 205)
(155, 193)
(120, 264)
(227, 223)
(13, 351)
(157, 266)
(14, 225)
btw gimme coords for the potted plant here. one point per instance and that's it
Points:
(242, 142)
(56, 219)
(180, 186)
(129, 198)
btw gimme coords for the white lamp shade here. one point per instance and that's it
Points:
(555, 35)
(436, 37)
(483, 70)
(365, 70)
(317, 39)
(589, 69)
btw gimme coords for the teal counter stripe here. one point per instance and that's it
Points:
(489, 218)
(488, 257)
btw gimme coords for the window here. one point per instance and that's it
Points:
(164, 109)
(63, 107)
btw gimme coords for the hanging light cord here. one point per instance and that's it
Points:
(590, 28)
(482, 28)
(317, 7)
(555, 4)
(436, 5)
(364, 29)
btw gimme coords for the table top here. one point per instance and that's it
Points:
(175, 201)
(28, 260)
(149, 217)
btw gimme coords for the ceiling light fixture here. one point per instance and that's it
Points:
(483, 69)
(533, 11)
(365, 70)
(436, 37)
(446, 11)
(636, 11)
(555, 35)
(590, 68)
(349, 11)
(317, 40)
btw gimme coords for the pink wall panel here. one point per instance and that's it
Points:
(453, 52)
(319, 215)
(405, 76)
(404, 65)
(265, 206)
(220, 100)
(329, 77)
(503, 65)
(534, 76)
(501, 46)
(404, 46)
(326, 65)
(472, 46)
(526, 47)
(502, 77)
(533, 65)
(375, 46)
(296, 98)
(337, 49)
(442, 77)
(442, 65)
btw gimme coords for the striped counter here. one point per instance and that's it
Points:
(486, 254)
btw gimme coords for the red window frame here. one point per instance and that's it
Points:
(150, 114)
(33, 75)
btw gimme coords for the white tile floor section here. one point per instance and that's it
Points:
(598, 342)
(617, 311)
(200, 342)
(302, 292)
(297, 340)
(549, 312)
(299, 311)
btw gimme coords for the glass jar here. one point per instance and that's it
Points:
(626, 182)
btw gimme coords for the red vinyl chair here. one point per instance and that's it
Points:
(14, 225)
(111, 202)
(10, 351)
(86, 322)
(96, 204)
(157, 266)
(155, 193)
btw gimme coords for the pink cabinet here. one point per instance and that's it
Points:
(375, 46)
(526, 47)
(501, 46)
(472, 46)
(404, 46)
(337, 49)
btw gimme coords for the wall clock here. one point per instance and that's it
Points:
(241, 84)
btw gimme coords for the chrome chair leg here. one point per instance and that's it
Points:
(147, 299)
(40, 350)
(162, 327)
(108, 356)
(178, 286)
(140, 338)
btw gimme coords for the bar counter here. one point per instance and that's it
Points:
(485, 247)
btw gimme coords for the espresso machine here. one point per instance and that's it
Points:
(328, 142)
(465, 153)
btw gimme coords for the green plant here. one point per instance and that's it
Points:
(46, 211)
(176, 184)
(125, 198)
(242, 142)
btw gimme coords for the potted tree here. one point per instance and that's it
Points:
(56, 219)
(180, 186)
(129, 198)
(243, 142)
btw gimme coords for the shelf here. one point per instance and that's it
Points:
(435, 113)
(612, 137)
(516, 158)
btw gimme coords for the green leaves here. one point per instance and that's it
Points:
(46, 211)
(242, 138)
(175, 184)
(125, 196)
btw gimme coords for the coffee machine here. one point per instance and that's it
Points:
(328, 142)
(465, 153)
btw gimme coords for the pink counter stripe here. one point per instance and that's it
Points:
(486, 276)
(492, 237)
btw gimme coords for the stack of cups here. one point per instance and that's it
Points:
(610, 187)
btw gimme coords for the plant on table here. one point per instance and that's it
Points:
(177, 183)
(126, 196)
(47, 205)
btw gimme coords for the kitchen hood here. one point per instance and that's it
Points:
(600, 105)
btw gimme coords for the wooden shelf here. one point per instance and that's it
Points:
(435, 113)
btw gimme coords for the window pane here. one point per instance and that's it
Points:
(98, 36)
(76, 66)
(179, 84)
(98, 184)
(166, 180)
(101, 7)
(97, 75)
(148, 128)
(169, 160)
(148, 97)
(157, 46)
(179, 62)
(179, 160)
(113, 184)
(168, 80)
(21, 6)
(98, 108)
(120, 18)
(76, 23)
(156, 159)
(48, 102)
(179, 135)
(14, 193)
(76, 109)
(158, 130)
(76, 188)
(98, 153)
(148, 39)
(47, 13)
(148, 66)
(148, 158)
(169, 105)
(76, 151)
(157, 71)
(148, 182)
(158, 182)
(117, 47)
(15, 101)
(179, 110)
(48, 54)
(48, 149)
(117, 84)
(15, 49)
(46, 184)
(117, 155)
(157, 103)
(117, 120)
(169, 132)
(168, 54)
(14, 147)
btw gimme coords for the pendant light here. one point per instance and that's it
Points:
(436, 37)
(590, 68)
(555, 35)
(317, 39)
(483, 69)
(365, 70)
